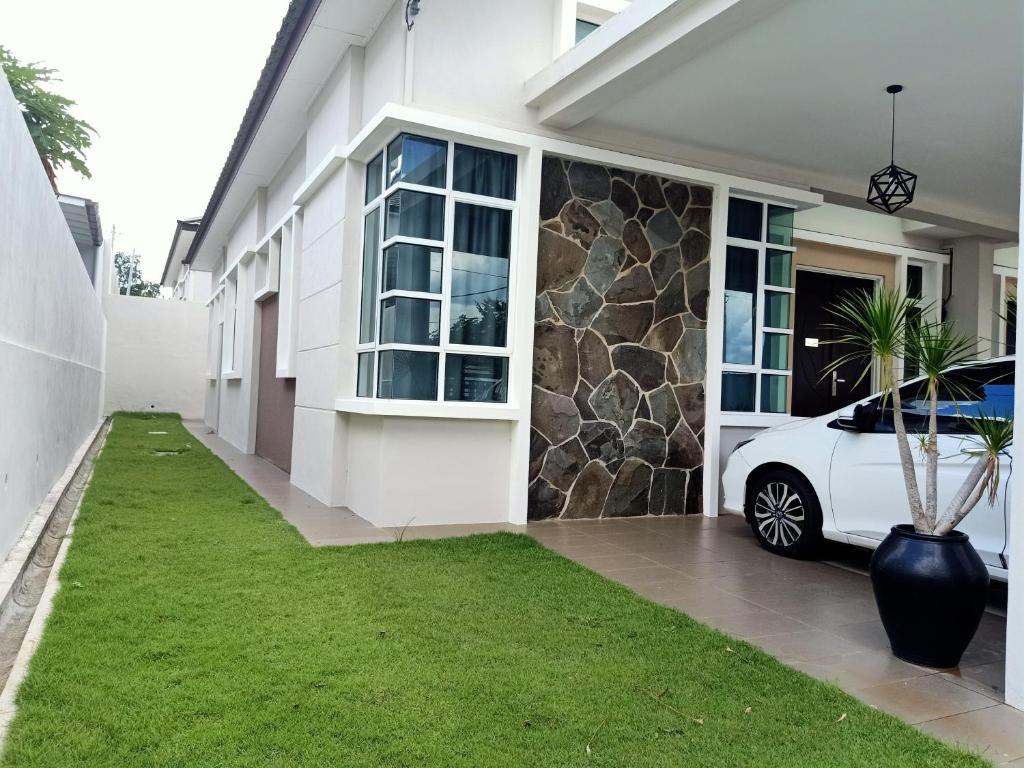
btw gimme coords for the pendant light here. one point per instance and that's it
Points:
(892, 187)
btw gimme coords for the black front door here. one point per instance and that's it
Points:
(813, 394)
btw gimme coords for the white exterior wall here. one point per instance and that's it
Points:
(426, 471)
(51, 332)
(384, 63)
(156, 355)
(473, 57)
(284, 184)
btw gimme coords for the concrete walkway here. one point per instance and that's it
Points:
(819, 617)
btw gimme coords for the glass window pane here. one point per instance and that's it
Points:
(364, 375)
(412, 268)
(410, 321)
(368, 299)
(776, 309)
(417, 160)
(406, 375)
(584, 28)
(744, 218)
(774, 391)
(738, 392)
(374, 177)
(775, 352)
(415, 214)
(479, 378)
(778, 268)
(740, 305)
(915, 281)
(484, 172)
(780, 225)
(480, 262)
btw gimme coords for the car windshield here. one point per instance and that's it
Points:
(977, 391)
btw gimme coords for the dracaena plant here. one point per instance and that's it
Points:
(887, 326)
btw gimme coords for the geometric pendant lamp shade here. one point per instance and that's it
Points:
(892, 187)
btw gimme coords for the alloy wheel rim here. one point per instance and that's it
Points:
(779, 514)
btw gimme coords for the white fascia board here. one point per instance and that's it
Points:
(429, 409)
(635, 47)
(326, 168)
(394, 118)
(870, 245)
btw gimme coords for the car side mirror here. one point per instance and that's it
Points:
(862, 419)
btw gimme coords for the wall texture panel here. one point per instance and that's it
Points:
(619, 349)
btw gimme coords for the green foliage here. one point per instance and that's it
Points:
(195, 627)
(874, 325)
(60, 137)
(994, 437)
(129, 277)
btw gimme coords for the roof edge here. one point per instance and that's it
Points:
(182, 225)
(297, 21)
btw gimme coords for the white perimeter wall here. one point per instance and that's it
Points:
(156, 355)
(51, 332)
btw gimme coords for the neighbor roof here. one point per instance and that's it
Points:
(83, 218)
(184, 232)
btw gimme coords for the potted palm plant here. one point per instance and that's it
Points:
(929, 582)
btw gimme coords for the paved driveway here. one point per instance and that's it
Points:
(819, 617)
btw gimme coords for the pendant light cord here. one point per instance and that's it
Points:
(892, 142)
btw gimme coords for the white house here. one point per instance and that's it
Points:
(491, 262)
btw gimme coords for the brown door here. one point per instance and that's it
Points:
(275, 401)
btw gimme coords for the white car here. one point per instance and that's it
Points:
(838, 476)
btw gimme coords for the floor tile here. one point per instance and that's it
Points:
(806, 645)
(924, 698)
(996, 732)
(756, 623)
(989, 679)
(862, 670)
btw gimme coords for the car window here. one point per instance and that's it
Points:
(968, 393)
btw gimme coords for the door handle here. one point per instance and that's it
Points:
(836, 380)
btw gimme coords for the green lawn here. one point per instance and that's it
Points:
(196, 628)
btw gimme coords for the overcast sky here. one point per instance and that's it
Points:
(164, 84)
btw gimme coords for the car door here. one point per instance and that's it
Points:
(866, 481)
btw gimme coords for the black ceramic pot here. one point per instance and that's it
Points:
(930, 592)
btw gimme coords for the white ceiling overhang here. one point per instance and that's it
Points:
(794, 91)
(337, 25)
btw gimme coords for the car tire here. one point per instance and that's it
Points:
(784, 514)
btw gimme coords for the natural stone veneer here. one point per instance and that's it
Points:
(619, 344)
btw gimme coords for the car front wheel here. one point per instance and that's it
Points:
(785, 515)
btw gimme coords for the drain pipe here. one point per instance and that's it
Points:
(19, 604)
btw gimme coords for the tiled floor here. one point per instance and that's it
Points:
(819, 617)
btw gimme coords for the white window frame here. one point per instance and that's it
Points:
(762, 247)
(228, 365)
(1002, 274)
(451, 199)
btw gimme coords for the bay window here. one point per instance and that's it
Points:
(759, 286)
(438, 228)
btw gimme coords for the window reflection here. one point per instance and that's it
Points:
(480, 262)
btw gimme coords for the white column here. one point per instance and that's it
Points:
(970, 302)
(713, 351)
(1015, 599)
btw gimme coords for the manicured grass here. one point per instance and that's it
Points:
(196, 628)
